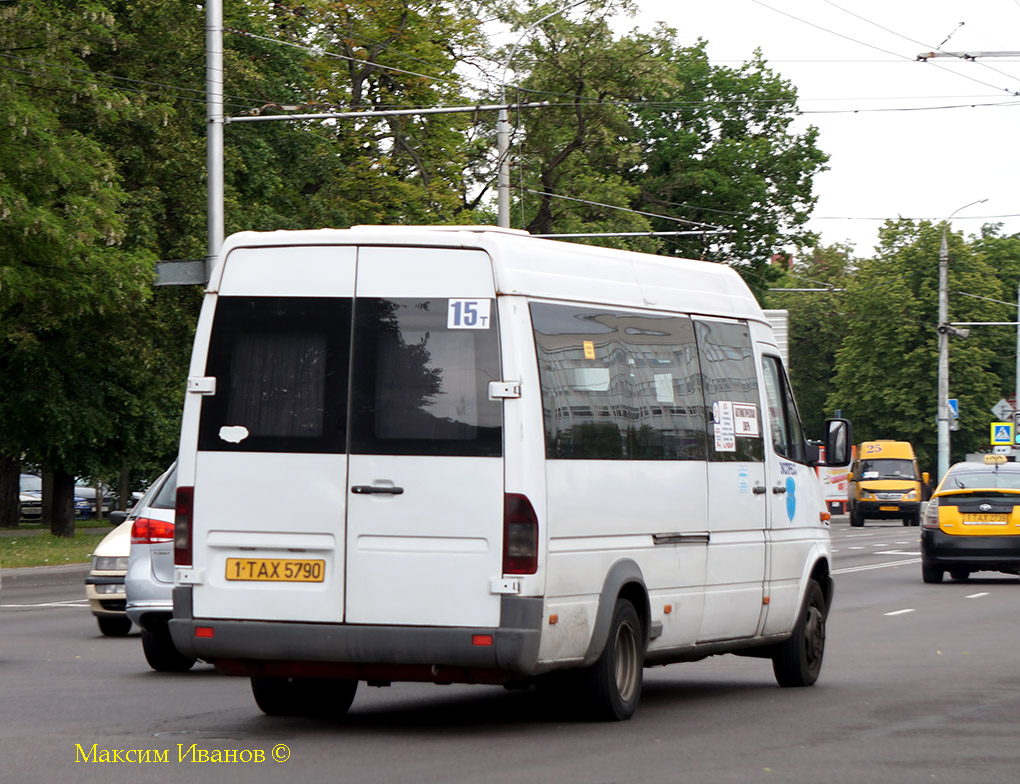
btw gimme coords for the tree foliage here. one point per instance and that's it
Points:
(887, 365)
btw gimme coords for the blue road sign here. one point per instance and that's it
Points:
(1002, 433)
(954, 406)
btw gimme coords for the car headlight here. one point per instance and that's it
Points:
(911, 496)
(110, 563)
(867, 495)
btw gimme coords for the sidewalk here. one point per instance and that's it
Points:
(31, 576)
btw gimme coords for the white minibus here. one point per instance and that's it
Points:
(468, 455)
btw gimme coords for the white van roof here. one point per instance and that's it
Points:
(545, 268)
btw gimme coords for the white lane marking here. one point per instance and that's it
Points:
(68, 603)
(976, 595)
(850, 569)
(898, 612)
(897, 552)
(856, 548)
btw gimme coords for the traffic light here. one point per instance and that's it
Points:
(1016, 427)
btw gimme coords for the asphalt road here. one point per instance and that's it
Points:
(921, 683)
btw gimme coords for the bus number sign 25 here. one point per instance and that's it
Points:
(468, 313)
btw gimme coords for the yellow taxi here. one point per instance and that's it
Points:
(972, 522)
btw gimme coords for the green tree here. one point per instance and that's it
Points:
(887, 366)
(62, 263)
(641, 123)
(817, 328)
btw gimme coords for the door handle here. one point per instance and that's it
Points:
(779, 489)
(373, 490)
(759, 489)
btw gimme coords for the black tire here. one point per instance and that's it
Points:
(916, 519)
(931, 574)
(855, 517)
(161, 654)
(612, 686)
(314, 697)
(959, 573)
(798, 661)
(114, 625)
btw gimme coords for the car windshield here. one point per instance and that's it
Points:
(969, 479)
(887, 468)
(30, 483)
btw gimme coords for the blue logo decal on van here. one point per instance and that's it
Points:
(791, 497)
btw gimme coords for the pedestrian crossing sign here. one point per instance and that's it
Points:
(1002, 433)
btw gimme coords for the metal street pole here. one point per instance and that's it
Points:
(503, 127)
(944, 329)
(214, 129)
(942, 418)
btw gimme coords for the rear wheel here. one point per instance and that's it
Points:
(931, 574)
(314, 697)
(161, 653)
(114, 625)
(798, 661)
(612, 686)
(959, 573)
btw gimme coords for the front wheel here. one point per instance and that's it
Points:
(855, 517)
(613, 684)
(798, 661)
(314, 697)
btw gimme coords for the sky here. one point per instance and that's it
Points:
(906, 138)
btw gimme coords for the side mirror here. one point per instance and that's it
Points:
(849, 476)
(925, 478)
(837, 442)
(117, 517)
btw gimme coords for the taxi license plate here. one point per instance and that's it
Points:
(1000, 519)
(284, 570)
(888, 508)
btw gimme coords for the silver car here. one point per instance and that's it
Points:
(150, 575)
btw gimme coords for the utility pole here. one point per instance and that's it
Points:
(214, 130)
(944, 331)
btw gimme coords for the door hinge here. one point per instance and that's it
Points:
(502, 390)
(202, 385)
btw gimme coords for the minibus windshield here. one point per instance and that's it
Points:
(887, 468)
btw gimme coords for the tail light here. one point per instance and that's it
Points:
(183, 510)
(931, 514)
(145, 530)
(520, 535)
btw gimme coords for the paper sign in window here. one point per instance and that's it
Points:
(589, 350)
(722, 417)
(745, 419)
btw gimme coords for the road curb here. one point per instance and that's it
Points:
(29, 576)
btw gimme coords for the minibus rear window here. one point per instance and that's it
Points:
(421, 378)
(280, 365)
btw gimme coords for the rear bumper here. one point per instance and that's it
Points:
(994, 553)
(438, 654)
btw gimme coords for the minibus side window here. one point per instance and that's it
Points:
(280, 365)
(420, 383)
(618, 385)
(729, 377)
(784, 422)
